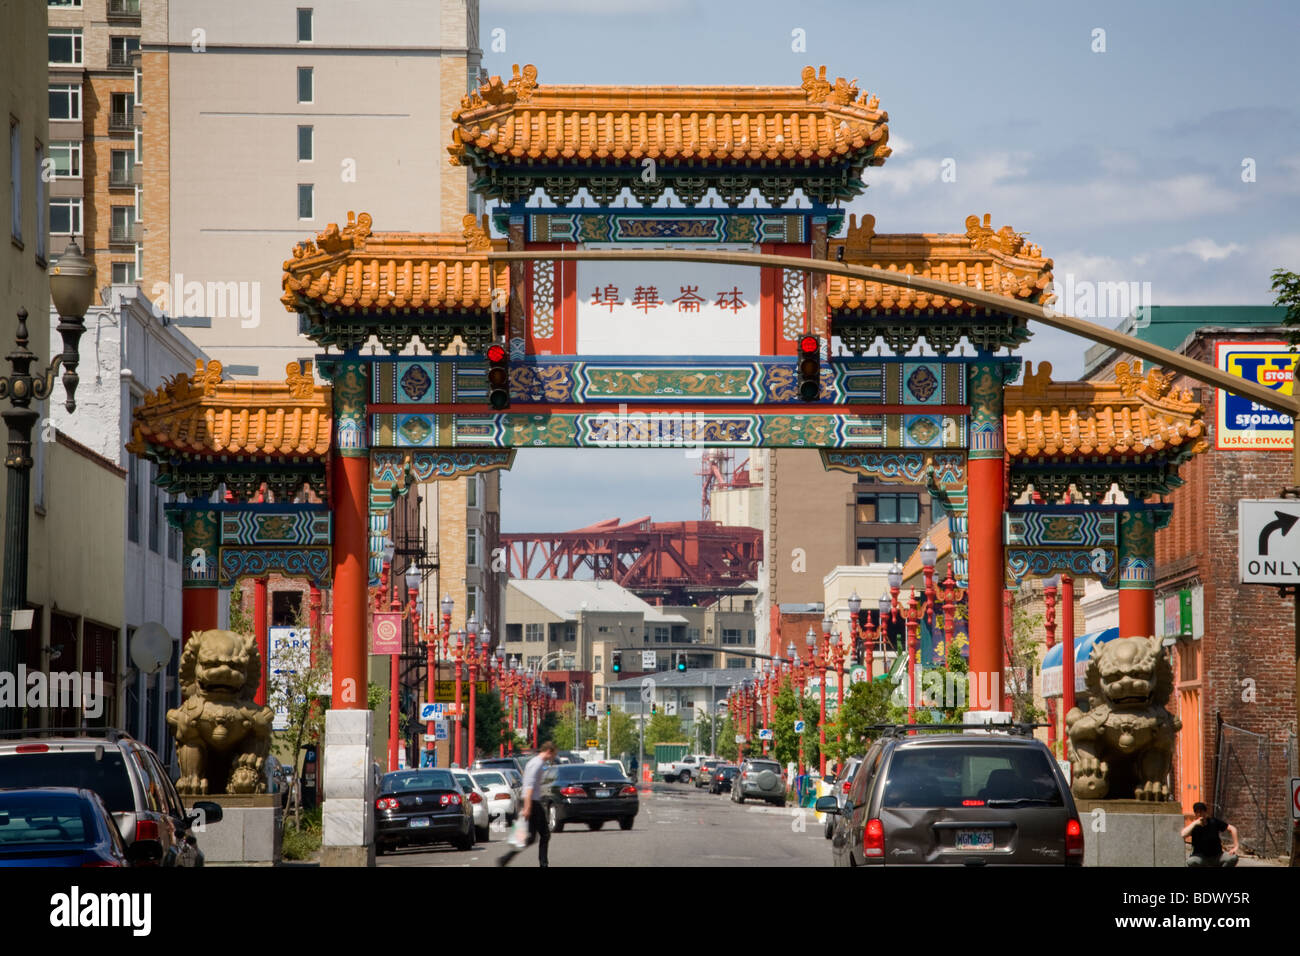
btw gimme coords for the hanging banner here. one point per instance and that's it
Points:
(386, 632)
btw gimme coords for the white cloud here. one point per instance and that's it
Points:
(1207, 250)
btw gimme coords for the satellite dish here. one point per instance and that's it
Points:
(151, 647)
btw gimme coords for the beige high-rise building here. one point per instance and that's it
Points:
(264, 122)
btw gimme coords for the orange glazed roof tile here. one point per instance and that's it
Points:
(353, 267)
(815, 120)
(201, 415)
(994, 261)
(1129, 416)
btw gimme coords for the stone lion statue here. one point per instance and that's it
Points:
(1123, 745)
(222, 736)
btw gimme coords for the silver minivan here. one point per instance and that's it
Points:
(759, 780)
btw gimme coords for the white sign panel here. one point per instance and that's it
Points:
(591, 708)
(668, 308)
(649, 660)
(288, 652)
(1268, 541)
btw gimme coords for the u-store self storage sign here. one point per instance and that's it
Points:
(1244, 425)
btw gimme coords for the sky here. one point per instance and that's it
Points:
(1137, 142)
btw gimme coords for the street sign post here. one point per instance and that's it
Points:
(740, 738)
(798, 726)
(765, 733)
(1268, 543)
(591, 712)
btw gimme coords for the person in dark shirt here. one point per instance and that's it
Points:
(1207, 848)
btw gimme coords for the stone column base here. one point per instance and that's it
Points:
(1132, 833)
(348, 812)
(249, 832)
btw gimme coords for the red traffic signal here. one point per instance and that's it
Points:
(498, 377)
(810, 368)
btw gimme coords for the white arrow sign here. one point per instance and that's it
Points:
(591, 708)
(1268, 543)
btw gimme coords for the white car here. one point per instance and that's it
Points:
(500, 795)
(478, 798)
(616, 764)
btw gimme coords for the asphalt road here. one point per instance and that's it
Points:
(677, 825)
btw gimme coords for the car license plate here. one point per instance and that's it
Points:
(974, 839)
(602, 793)
(420, 822)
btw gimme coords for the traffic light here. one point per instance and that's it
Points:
(810, 368)
(681, 661)
(498, 377)
(607, 710)
(652, 708)
(617, 660)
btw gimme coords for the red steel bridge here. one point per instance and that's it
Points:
(674, 562)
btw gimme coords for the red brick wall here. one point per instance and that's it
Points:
(1249, 630)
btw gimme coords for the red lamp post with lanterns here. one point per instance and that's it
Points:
(895, 579)
(912, 615)
(458, 653)
(951, 595)
(821, 661)
(855, 637)
(869, 639)
(1049, 626)
(929, 555)
(431, 652)
(473, 627)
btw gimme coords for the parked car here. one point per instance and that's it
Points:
(500, 795)
(65, 826)
(723, 778)
(965, 796)
(617, 765)
(840, 791)
(125, 773)
(681, 770)
(478, 804)
(501, 763)
(422, 806)
(590, 794)
(704, 774)
(759, 779)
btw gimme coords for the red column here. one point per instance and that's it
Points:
(985, 574)
(260, 632)
(200, 532)
(1137, 596)
(1067, 650)
(198, 611)
(1008, 636)
(350, 478)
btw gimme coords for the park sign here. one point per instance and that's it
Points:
(1268, 543)
(1245, 425)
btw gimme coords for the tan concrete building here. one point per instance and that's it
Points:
(94, 148)
(263, 122)
(75, 516)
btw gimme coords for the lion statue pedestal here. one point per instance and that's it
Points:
(1121, 750)
(223, 737)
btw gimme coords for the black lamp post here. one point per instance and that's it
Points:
(72, 285)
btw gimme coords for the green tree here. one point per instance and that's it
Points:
(789, 709)
(1287, 286)
(625, 738)
(546, 730)
(1024, 657)
(728, 749)
(489, 723)
(662, 729)
(867, 704)
(563, 733)
(707, 729)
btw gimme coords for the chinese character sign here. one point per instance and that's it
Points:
(660, 308)
(1241, 423)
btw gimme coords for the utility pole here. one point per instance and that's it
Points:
(641, 759)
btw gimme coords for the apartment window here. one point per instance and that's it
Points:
(122, 223)
(65, 217)
(661, 634)
(472, 604)
(155, 510)
(42, 208)
(16, 179)
(736, 663)
(305, 143)
(133, 487)
(534, 632)
(471, 491)
(67, 159)
(693, 635)
(749, 637)
(139, 145)
(889, 509)
(305, 85)
(120, 50)
(66, 4)
(124, 273)
(532, 663)
(304, 24)
(306, 201)
(730, 635)
(598, 687)
(937, 511)
(885, 550)
(598, 667)
(471, 547)
(65, 101)
(121, 111)
(570, 632)
(120, 169)
(65, 47)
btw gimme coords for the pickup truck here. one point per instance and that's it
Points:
(683, 770)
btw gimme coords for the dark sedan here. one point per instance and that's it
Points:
(722, 778)
(422, 806)
(64, 826)
(590, 794)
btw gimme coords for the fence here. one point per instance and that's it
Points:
(1251, 774)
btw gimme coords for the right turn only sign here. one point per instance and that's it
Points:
(1268, 541)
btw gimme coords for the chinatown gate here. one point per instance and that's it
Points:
(611, 342)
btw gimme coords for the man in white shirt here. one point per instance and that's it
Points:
(533, 810)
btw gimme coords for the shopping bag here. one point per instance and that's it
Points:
(519, 834)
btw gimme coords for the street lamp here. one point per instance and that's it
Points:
(72, 286)
(885, 606)
(1049, 625)
(855, 605)
(929, 554)
(895, 578)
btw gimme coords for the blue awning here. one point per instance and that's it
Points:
(1083, 648)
